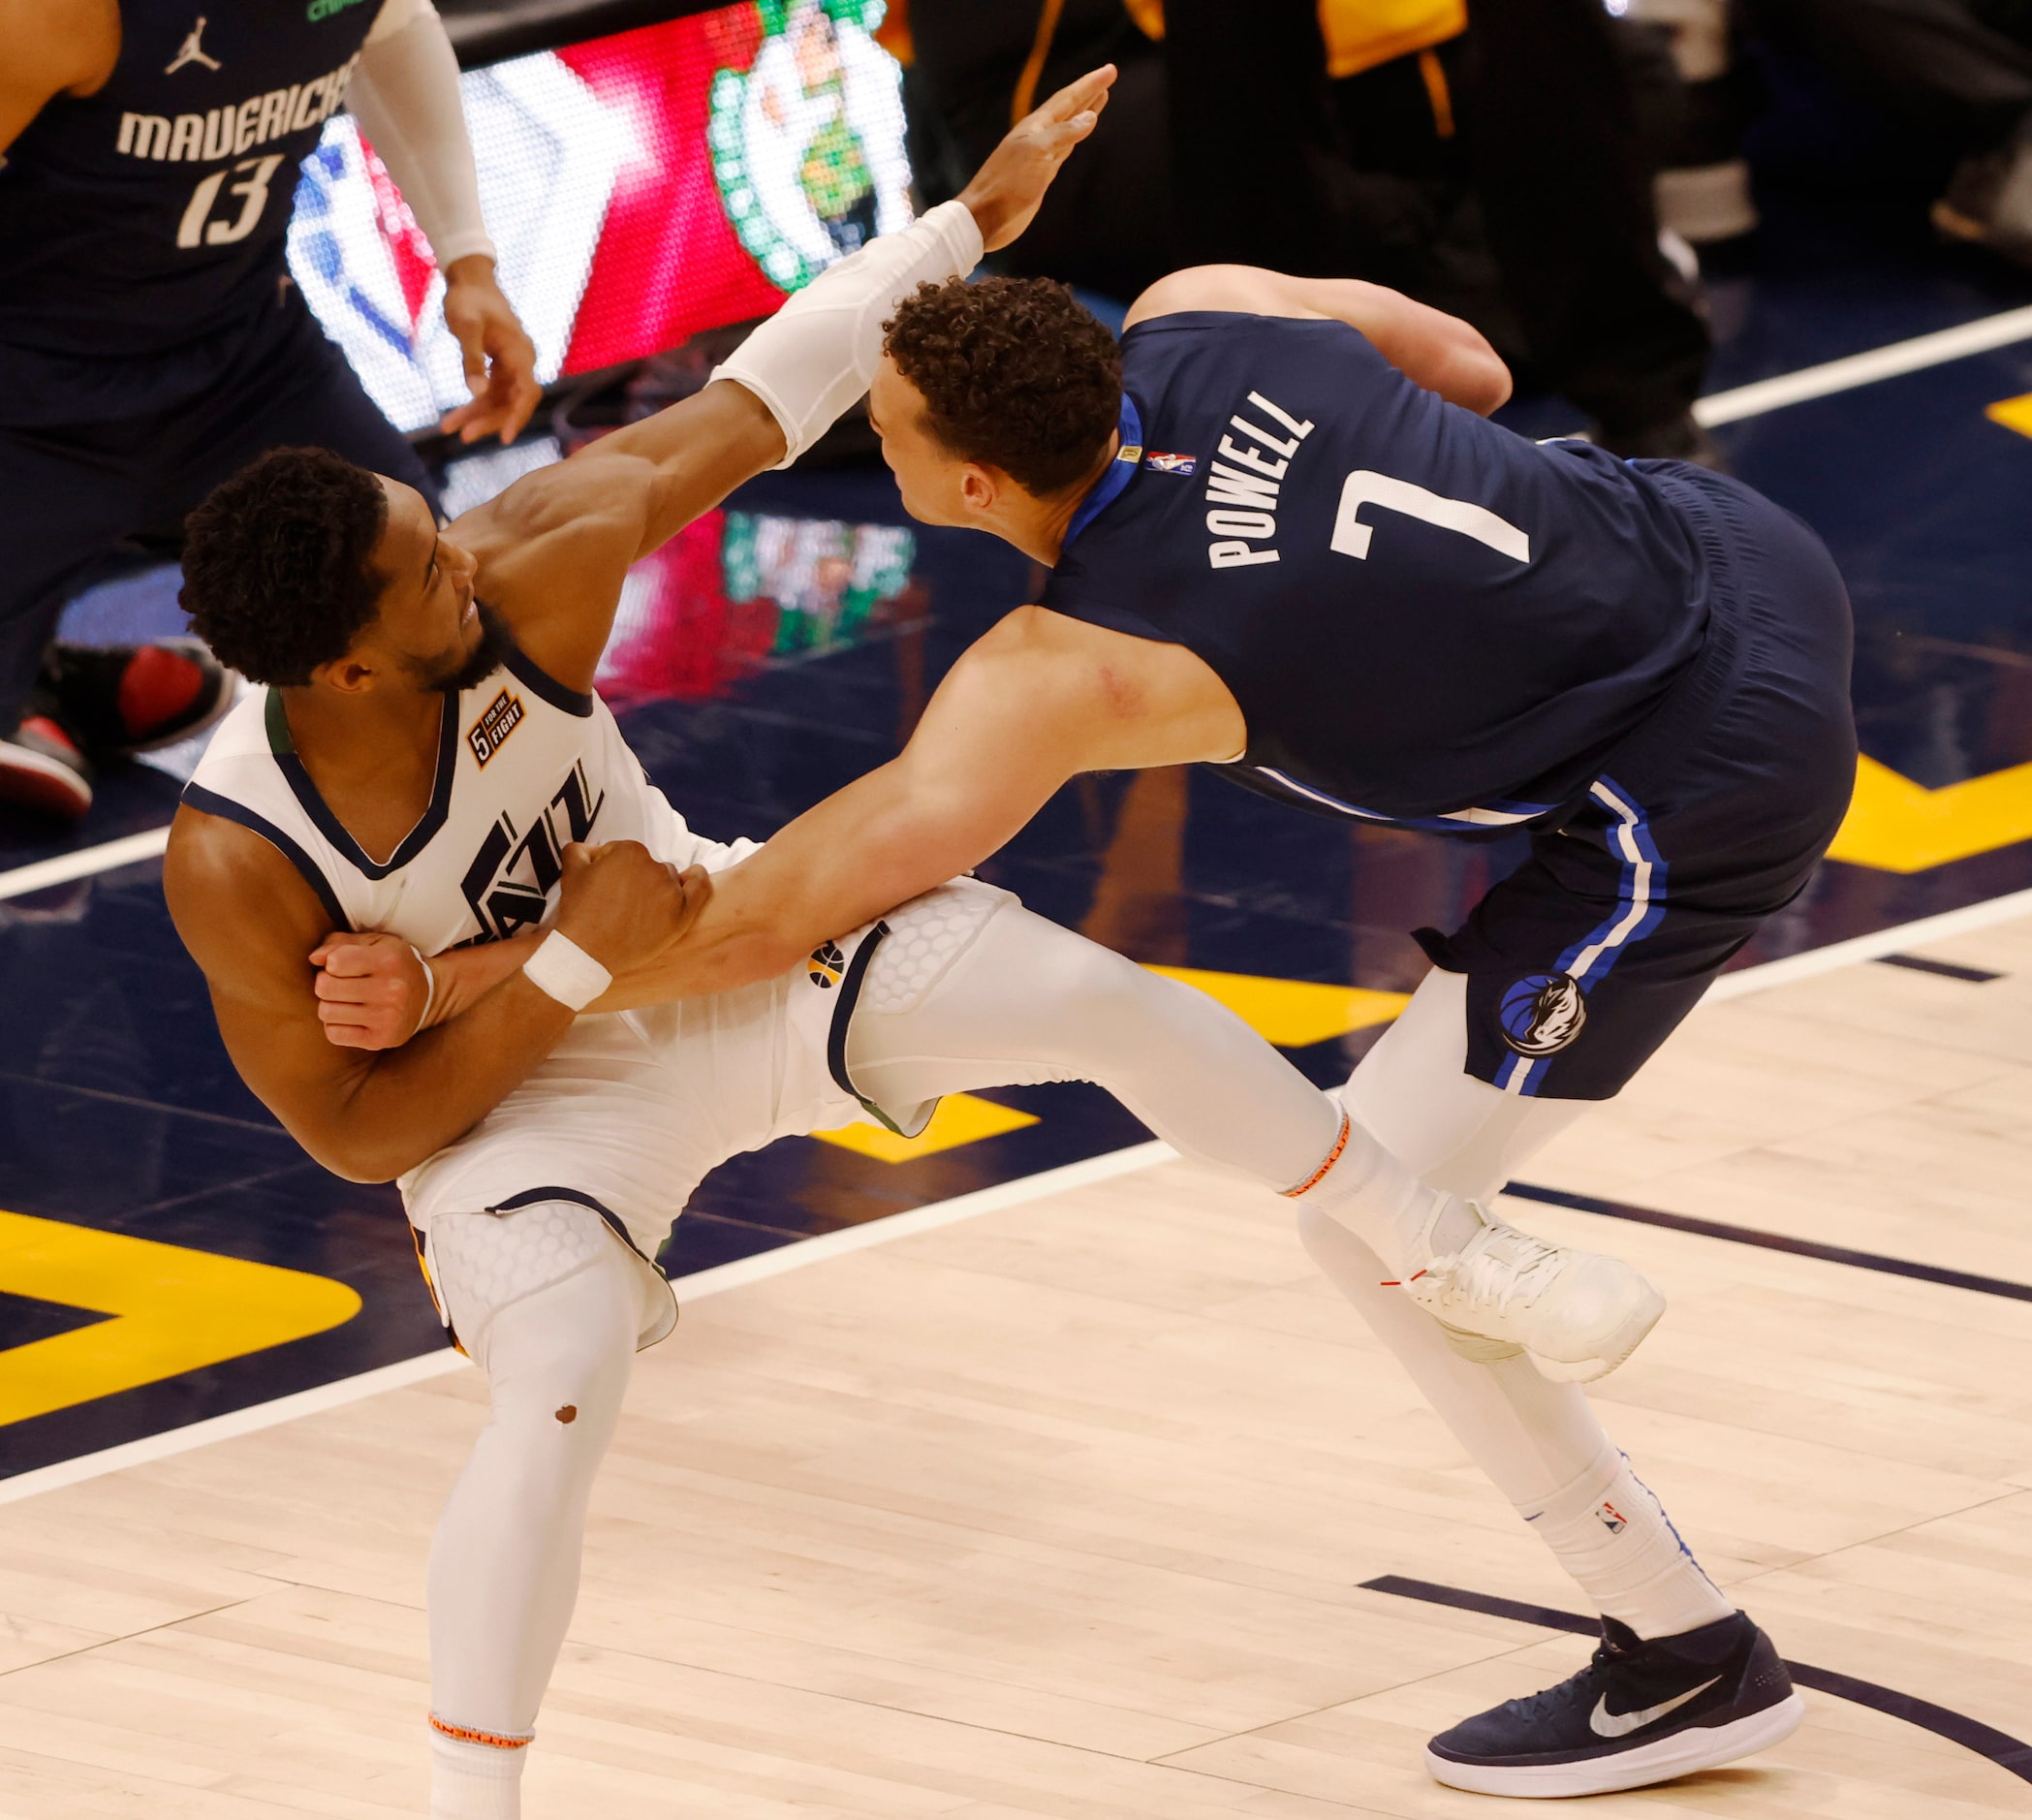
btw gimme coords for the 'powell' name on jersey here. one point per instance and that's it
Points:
(1249, 478)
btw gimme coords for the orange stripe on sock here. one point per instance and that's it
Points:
(1314, 1180)
(466, 1735)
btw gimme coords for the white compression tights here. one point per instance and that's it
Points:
(504, 1567)
(1539, 1441)
(548, 1303)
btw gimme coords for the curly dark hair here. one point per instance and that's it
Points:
(1014, 374)
(278, 572)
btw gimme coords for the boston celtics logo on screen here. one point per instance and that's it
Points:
(807, 140)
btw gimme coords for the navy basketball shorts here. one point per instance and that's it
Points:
(1708, 819)
(87, 467)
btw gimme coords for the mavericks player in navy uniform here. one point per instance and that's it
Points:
(1286, 541)
(150, 339)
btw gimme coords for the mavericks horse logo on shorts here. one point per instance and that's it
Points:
(1541, 1012)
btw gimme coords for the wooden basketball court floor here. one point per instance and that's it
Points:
(1066, 1509)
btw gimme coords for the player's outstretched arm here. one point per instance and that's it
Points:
(1441, 351)
(552, 549)
(817, 355)
(1039, 700)
(249, 920)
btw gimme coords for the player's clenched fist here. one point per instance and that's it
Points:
(371, 988)
(617, 901)
(624, 906)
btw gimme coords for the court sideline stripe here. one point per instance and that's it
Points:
(2007, 1753)
(1983, 336)
(1772, 1241)
(128, 850)
(738, 1274)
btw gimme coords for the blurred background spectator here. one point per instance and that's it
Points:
(1489, 160)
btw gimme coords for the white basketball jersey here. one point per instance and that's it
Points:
(524, 765)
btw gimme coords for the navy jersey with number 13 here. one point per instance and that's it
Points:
(153, 212)
(1425, 618)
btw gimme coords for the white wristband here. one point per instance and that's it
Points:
(566, 971)
(429, 986)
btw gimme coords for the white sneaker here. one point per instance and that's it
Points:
(1578, 1315)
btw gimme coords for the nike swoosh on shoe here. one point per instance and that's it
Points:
(1606, 1724)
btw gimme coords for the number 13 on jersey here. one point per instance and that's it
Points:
(197, 229)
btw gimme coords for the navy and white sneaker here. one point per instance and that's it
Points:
(1638, 1712)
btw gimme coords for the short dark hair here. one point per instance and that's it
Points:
(278, 571)
(1014, 374)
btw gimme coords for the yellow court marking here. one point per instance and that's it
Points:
(2013, 413)
(1292, 1014)
(172, 1309)
(1899, 826)
(960, 1118)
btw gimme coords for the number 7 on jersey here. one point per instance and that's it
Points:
(1365, 487)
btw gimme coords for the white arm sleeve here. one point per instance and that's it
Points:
(405, 97)
(817, 355)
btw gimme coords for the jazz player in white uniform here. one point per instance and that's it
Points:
(437, 771)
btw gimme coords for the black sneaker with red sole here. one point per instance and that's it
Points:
(117, 699)
(42, 769)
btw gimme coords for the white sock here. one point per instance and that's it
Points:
(1389, 1208)
(1612, 1535)
(470, 1781)
(1542, 1445)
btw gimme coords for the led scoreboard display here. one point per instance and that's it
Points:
(640, 188)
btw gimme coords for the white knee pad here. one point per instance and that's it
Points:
(482, 1263)
(925, 936)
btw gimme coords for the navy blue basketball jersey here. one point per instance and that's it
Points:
(153, 212)
(1425, 618)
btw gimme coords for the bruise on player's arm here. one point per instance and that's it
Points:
(250, 921)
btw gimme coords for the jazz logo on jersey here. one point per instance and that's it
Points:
(1250, 478)
(1158, 463)
(487, 734)
(827, 964)
(1541, 1012)
(510, 881)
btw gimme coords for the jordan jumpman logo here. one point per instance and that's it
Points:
(193, 50)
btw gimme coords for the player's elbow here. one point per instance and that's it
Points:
(1482, 384)
(367, 1162)
(353, 1152)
